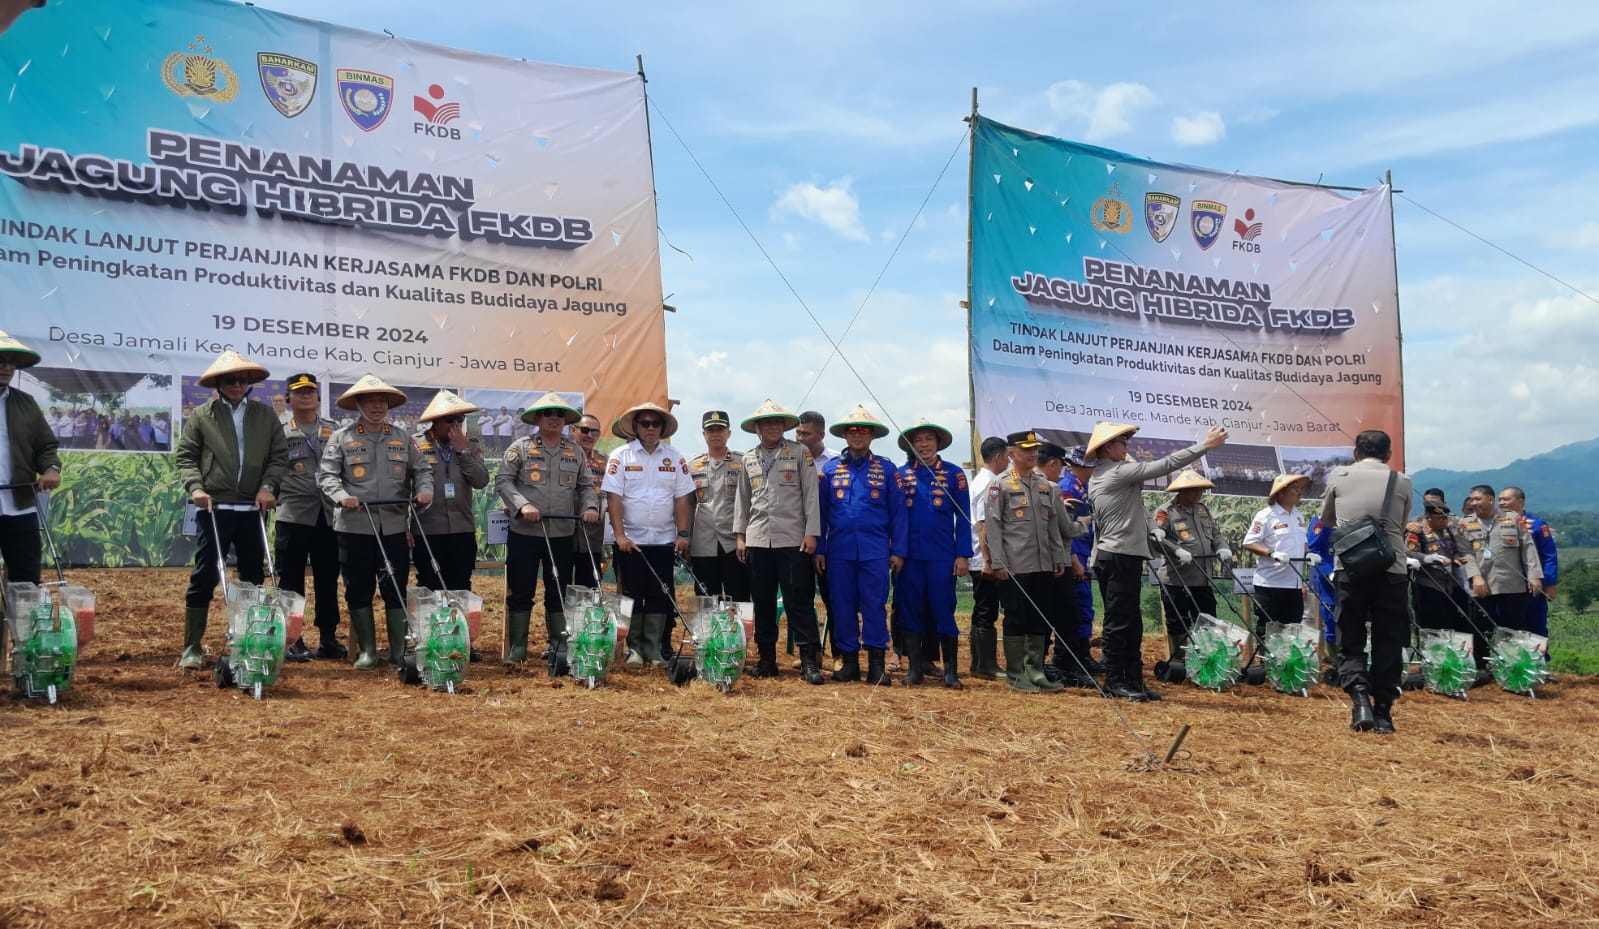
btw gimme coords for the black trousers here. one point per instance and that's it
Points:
(1446, 605)
(1509, 610)
(820, 578)
(648, 576)
(985, 601)
(1029, 598)
(526, 557)
(1066, 616)
(1182, 605)
(457, 556)
(1381, 601)
(1121, 581)
(587, 567)
(239, 530)
(791, 571)
(364, 571)
(722, 575)
(20, 547)
(299, 544)
(1278, 605)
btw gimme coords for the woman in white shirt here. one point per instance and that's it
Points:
(1277, 536)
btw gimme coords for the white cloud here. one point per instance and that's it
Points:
(1585, 238)
(834, 206)
(1108, 111)
(1204, 127)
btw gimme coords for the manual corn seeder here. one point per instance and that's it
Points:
(596, 627)
(1519, 660)
(49, 624)
(439, 628)
(262, 621)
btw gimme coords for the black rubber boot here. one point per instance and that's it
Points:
(297, 652)
(985, 646)
(849, 668)
(950, 645)
(930, 655)
(811, 664)
(1122, 685)
(1382, 718)
(913, 657)
(1362, 718)
(876, 673)
(766, 664)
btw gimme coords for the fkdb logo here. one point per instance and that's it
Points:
(438, 113)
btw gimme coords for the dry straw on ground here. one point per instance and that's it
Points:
(150, 798)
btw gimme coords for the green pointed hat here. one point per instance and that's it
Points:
(945, 437)
(859, 416)
(771, 409)
(22, 355)
(550, 401)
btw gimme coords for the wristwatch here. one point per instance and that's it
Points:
(682, 533)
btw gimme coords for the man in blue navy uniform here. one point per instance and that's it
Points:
(1514, 500)
(861, 542)
(938, 546)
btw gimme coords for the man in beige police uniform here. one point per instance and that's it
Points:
(1027, 552)
(305, 518)
(450, 524)
(545, 482)
(1191, 544)
(588, 544)
(713, 550)
(369, 460)
(776, 519)
(1508, 567)
(1122, 545)
(231, 458)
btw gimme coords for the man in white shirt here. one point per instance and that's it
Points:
(1277, 536)
(650, 494)
(505, 424)
(985, 586)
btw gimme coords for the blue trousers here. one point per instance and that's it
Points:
(1085, 609)
(859, 602)
(927, 597)
(1538, 616)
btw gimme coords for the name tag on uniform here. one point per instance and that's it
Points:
(449, 490)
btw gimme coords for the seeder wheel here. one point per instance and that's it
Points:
(1255, 674)
(409, 673)
(224, 673)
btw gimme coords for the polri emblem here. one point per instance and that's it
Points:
(367, 97)
(1160, 214)
(288, 82)
(1111, 214)
(196, 73)
(1207, 219)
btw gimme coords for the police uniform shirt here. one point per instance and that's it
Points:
(1121, 524)
(977, 505)
(1514, 560)
(1421, 541)
(1358, 490)
(776, 504)
(715, 489)
(648, 484)
(1193, 529)
(555, 480)
(299, 495)
(455, 475)
(1280, 530)
(372, 462)
(936, 501)
(591, 537)
(1020, 515)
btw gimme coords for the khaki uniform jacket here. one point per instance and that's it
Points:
(1021, 520)
(591, 538)
(776, 505)
(1121, 524)
(1421, 541)
(716, 490)
(33, 444)
(300, 495)
(372, 463)
(557, 481)
(1514, 560)
(464, 470)
(1356, 490)
(208, 453)
(1194, 530)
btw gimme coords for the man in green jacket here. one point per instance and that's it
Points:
(232, 458)
(32, 455)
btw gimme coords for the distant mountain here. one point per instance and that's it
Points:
(1557, 481)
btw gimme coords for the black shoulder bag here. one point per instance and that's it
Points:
(1361, 545)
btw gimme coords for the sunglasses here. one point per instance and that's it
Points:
(452, 419)
(232, 380)
(858, 430)
(552, 414)
(588, 430)
(649, 423)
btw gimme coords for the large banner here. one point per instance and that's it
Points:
(1109, 287)
(182, 176)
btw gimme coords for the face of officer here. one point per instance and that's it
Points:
(1190, 496)
(1480, 504)
(715, 440)
(551, 423)
(648, 427)
(306, 402)
(809, 435)
(1509, 500)
(1437, 522)
(858, 439)
(1052, 468)
(374, 407)
(587, 432)
(1024, 460)
(1115, 449)
(924, 442)
(233, 387)
(1288, 497)
(770, 431)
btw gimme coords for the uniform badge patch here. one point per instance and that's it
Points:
(288, 82)
(1207, 218)
(367, 97)
(358, 472)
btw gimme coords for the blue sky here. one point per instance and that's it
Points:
(825, 124)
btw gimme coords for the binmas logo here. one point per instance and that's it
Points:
(438, 113)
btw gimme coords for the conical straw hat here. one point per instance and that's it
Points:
(1105, 432)
(859, 416)
(229, 362)
(370, 384)
(625, 421)
(771, 409)
(1190, 480)
(1284, 481)
(550, 401)
(619, 432)
(945, 437)
(446, 403)
(22, 355)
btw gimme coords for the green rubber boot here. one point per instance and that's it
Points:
(364, 624)
(1037, 645)
(985, 663)
(516, 623)
(193, 634)
(555, 629)
(1016, 665)
(654, 632)
(395, 620)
